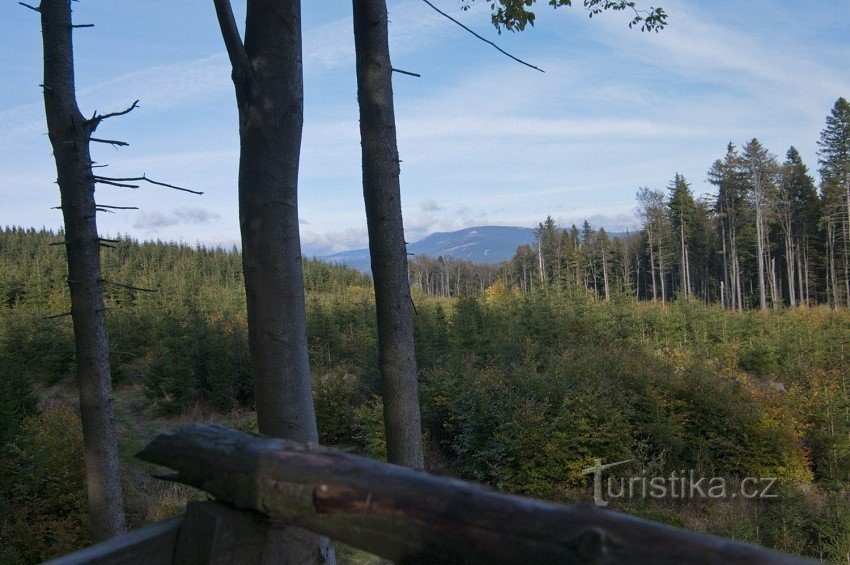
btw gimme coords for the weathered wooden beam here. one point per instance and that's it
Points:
(410, 516)
(154, 544)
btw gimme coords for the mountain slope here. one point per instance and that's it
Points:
(481, 244)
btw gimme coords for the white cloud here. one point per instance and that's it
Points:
(319, 243)
(152, 222)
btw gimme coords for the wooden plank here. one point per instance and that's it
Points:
(153, 544)
(410, 516)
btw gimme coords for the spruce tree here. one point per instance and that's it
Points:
(834, 156)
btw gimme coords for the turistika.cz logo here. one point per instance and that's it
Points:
(684, 484)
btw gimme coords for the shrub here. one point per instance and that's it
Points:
(43, 488)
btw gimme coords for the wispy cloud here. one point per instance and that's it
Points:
(154, 221)
(430, 205)
(320, 243)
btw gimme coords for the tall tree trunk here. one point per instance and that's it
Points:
(725, 281)
(845, 234)
(652, 266)
(661, 275)
(605, 277)
(70, 135)
(789, 265)
(382, 193)
(832, 274)
(808, 295)
(760, 245)
(686, 276)
(268, 79)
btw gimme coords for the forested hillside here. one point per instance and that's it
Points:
(771, 235)
(520, 390)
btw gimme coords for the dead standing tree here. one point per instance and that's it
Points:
(268, 79)
(70, 136)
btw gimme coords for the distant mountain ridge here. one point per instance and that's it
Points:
(480, 244)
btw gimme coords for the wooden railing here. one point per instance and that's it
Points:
(393, 512)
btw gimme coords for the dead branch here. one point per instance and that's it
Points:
(118, 207)
(30, 7)
(395, 70)
(95, 119)
(113, 142)
(499, 49)
(81, 25)
(118, 184)
(117, 181)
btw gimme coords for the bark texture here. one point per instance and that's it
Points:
(268, 78)
(387, 248)
(70, 135)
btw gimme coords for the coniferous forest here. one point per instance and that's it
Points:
(722, 320)
(769, 236)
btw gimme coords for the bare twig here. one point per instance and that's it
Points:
(113, 142)
(117, 181)
(30, 7)
(118, 184)
(118, 207)
(109, 240)
(95, 119)
(98, 209)
(499, 49)
(81, 25)
(406, 72)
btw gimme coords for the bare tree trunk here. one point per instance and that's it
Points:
(661, 276)
(70, 135)
(268, 79)
(382, 192)
(799, 268)
(605, 276)
(832, 275)
(789, 266)
(846, 262)
(775, 295)
(686, 277)
(736, 263)
(726, 267)
(808, 296)
(652, 263)
(760, 244)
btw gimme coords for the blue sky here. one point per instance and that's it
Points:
(483, 140)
